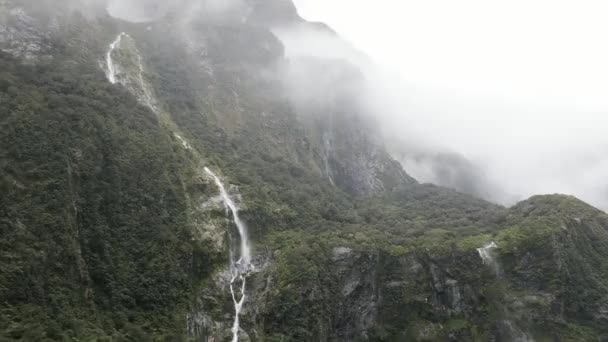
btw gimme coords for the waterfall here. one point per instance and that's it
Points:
(514, 333)
(111, 68)
(484, 253)
(134, 78)
(240, 267)
(244, 260)
(326, 152)
(487, 258)
(185, 144)
(238, 304)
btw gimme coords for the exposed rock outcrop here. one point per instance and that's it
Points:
(21, 35)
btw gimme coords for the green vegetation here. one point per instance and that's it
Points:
(91, 245)
(102, 237)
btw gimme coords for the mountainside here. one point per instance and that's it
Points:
(167, 179)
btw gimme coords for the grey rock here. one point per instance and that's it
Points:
(22, 35)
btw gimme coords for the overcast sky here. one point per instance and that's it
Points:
(519, 86)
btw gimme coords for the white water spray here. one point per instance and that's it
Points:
(185, 144)
(485, 255)
(111, 68)
(240, 267)
(238, 304)
(133, 79)
(245, 258)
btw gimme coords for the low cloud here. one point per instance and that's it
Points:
(150, 10)
(503, 148)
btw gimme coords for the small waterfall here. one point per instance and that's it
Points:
(132, 78)
(240, 267)
(327, 147)
(485, 253)
(111, 67)
(514, 333)
(185, 144)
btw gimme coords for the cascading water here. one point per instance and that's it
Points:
(514, 333)
(326, 152)
(487, 258)
(132, 78)
(484, 252)
(240, 267)
(111, 68)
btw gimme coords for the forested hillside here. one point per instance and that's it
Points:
(111, 228)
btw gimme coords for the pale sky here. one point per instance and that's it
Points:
(520, 86)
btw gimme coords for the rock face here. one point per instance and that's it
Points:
(22, 35)
(357, 308)
(456, 296)
(357, 162)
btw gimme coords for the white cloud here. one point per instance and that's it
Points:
(150, 10)
(519, 87)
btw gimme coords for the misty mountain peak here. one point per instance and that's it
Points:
(267, 12)
(274, 12)
(213, 170)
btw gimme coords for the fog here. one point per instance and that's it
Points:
(150, 10)
(500, 99)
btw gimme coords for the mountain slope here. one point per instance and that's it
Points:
(83, 228)
(112, 230)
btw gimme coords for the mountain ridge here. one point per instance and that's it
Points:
(111, 229)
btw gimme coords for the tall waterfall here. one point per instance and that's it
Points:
(240, 265)
(111, 67)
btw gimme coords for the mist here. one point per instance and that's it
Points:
(503, 101)
(324, 71)
(140, 11)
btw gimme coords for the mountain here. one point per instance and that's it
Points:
(165, 179)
